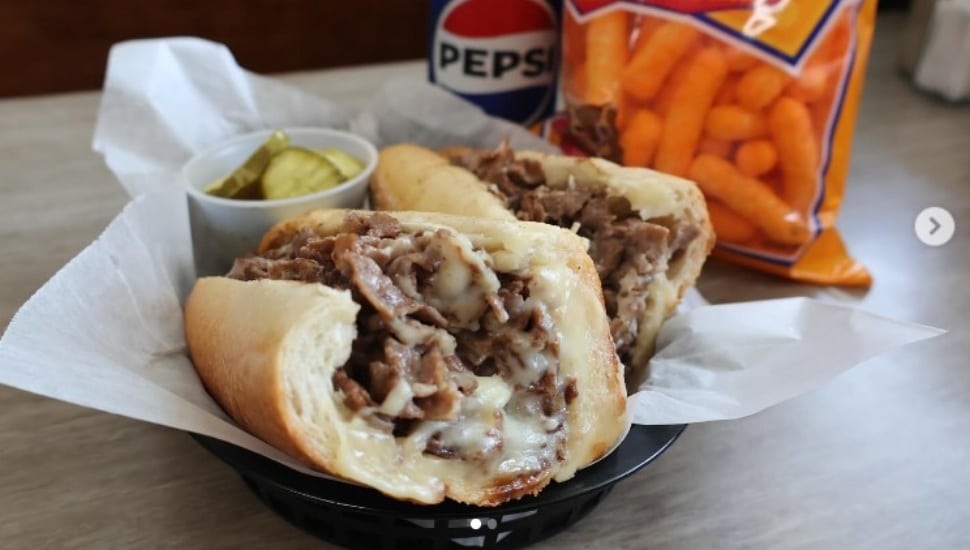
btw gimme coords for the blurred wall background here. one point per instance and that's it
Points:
(49, 46)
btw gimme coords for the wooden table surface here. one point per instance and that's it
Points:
(878, 458)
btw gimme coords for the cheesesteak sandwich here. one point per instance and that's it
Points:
(649, 233)
(424, 355)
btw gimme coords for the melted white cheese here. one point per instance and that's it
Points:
(526, 445)
(492, 392)
(398, 398)
(534, 363)
(411, 333)
(479, 428)
(461, 282)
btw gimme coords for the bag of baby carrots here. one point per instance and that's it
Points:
(755, 100)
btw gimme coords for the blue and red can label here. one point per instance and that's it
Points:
(502, 55)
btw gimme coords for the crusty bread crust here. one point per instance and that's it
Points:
(653, 194)
(266, 351)
(413, 178)
(238, 334)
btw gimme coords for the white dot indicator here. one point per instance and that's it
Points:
(475, 523)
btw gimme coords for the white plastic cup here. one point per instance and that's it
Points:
(225, 229)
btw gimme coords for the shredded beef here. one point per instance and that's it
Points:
(357, 259)
(443, 403)
(681, 235)
(415, 357)
(369, 279)
(356, 396)
(551, 205)
(437, 448)
(626, 249)
(593, 129)
(571, 392)
(256, 267)
(378, 225)
(508, 177)
(503, 347)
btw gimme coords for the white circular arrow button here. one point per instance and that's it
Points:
(934, 226)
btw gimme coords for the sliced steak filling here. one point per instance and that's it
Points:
(436, 323)
(628, 251)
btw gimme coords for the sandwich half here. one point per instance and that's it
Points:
(649, 233)
(425, 355)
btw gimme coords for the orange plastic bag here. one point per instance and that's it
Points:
(755, 100)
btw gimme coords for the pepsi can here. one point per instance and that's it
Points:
(502, 55)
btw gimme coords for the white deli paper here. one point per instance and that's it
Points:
(106, 331)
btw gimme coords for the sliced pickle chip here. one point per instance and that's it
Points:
(348, 165)
(249, 192)
(297, 171)
(243, 182)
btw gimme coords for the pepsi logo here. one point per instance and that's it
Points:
(491, 46)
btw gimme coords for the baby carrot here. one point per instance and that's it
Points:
(665, 98)
(606, 53)
(639, 140)
(716, 147)
(708, 41)
(691, 101)
(730, 122)
(575, 83)
(729, 226)
(738, 60)
(812, 84)
(820, 119)
(651, 63)
(773, 181)
(821, 109)
(834, 80)
(750, 198)
(645, 29)
(791, 128)
(833, 46)
(573, 39)
(727, 92)
(756, 158)
(760, 86)
(624, 108)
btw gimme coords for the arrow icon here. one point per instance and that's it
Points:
(934, 226)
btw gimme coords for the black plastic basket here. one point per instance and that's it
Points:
(357, 517)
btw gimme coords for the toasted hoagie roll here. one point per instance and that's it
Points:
(424, 355)
(649, 233)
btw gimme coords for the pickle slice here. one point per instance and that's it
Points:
(297, 171)
(348, 165)
(243, 182)
(250, 191)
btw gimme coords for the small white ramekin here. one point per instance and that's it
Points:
(224, 229)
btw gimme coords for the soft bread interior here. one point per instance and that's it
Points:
(276, 381)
